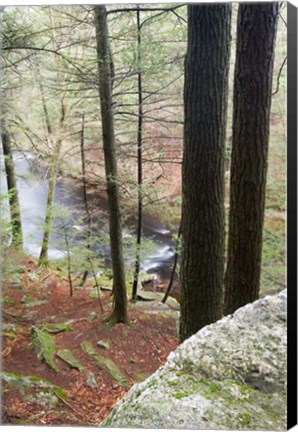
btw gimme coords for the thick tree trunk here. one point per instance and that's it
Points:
(252, 99)
(205, 99)
(14, 206)
(119, 313)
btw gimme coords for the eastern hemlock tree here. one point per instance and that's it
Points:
(205, 111)
(119, 313)
(256, 32)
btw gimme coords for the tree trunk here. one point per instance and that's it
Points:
(43, 257)
(86, 203)
(205, 100)
(14, 206)
(169, 288)
(119, 313)
(252, 99)
(140, 165)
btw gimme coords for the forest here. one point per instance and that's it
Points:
(143, 190)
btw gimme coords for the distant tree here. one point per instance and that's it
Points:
(14, 205)
(43, 257)
(202, 231)
(140, 162)
(256, 33)
(119, 313)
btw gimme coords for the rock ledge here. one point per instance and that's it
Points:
(230, 375)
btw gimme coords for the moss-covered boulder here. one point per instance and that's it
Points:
(107, 365)
(45, 347)
(67, 356)
(34, 388)
(230, 375)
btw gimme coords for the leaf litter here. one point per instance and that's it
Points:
(49, 349)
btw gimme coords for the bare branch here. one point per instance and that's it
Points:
(153, 9)
(279, 75)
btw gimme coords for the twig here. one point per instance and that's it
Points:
(273, 278)
(70, 407)
(279, 74)
(168, 291)
(18, 317)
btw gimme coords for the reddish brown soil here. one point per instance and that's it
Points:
(138, 349)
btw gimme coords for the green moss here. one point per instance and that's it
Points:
(11, 330)
(245, 420)
(213, 387)
(152, 383)
(188, 367)
(180, 395)
(45, 347)
(7, 300)
(70, 359)
(108, 421)
(244, 389)
(173, 383)
(27, 383)
(105, 364)
(180, 373)
(56, 327)
(10, 335)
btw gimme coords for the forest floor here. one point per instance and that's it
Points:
(81, 390)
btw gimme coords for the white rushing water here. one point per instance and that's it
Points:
(32, 186)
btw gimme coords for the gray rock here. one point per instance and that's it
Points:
(156, 308)
(91, 380)
(158, 296)
(230, 375)
(103, 344)
(147, 277)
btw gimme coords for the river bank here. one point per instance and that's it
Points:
(69, 218)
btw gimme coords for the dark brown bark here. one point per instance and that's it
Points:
(14, 206)
(252, 99)
(119, 313)
(140, 165)
(205, 100)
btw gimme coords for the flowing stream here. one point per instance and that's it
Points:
(70, 220)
